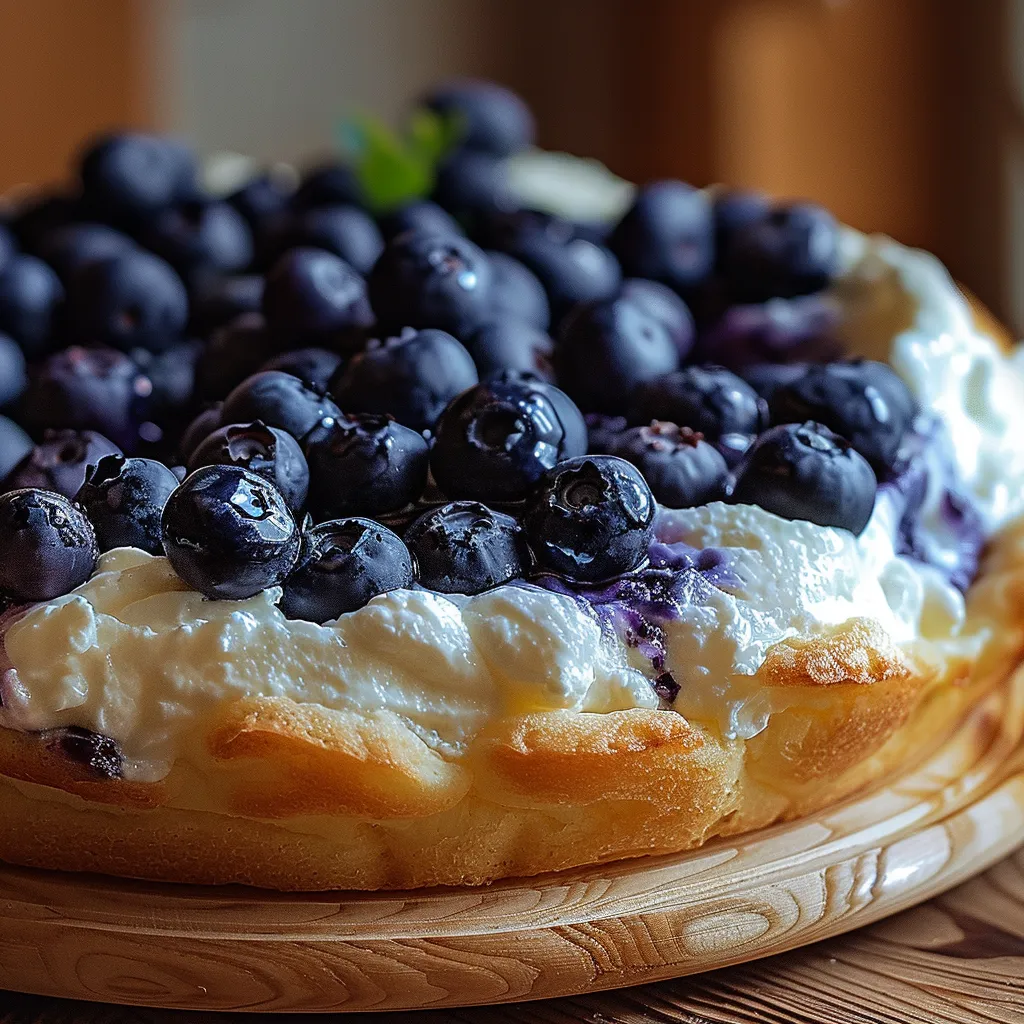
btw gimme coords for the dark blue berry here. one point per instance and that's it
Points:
(42, 214)
(313, 366)
(173, 376)
(508, 343)
(200, 238)
(229, 533)
(99, 755)
(314, 297)
(344, 564)
(420, 215)
(735, 209)
(466, 548)
(328, 185)
(516, 291)
(218, 300)
(602, 431)
(135, 300)
(15, 444)
(47, 546)
(124, 500)
(667, 235)
(200, 428)
(61, 461)
(609, 348)
(497, 439)
(13, 372)
(683, 470)
(794, 250)
(69, 248)
(365, 465)
(265, 451)
(590, 518)
(492, 119)
(347, 231)
(412, 377)
(30, 292)
(236, 351)
(660, 302)
(261, 200)
(804, 471)
(279, 400)
(864, 401)
(767, 378)
(8, 245)
(470, 184)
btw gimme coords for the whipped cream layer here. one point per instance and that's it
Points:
(134, 655)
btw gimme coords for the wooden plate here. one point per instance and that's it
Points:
(953, 815)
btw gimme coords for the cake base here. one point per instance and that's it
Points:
(936, 824)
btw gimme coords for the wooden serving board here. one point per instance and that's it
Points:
(951, 816)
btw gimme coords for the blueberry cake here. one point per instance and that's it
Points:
(533, 523)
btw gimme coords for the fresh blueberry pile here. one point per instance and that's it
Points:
(289, 387)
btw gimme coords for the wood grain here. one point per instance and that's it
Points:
(958, 812)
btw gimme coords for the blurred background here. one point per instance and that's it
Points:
(903, 116)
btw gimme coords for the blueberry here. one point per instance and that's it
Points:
(602, 431)
(265, 451)
(492, 119)
(471, 184)
(201, 427)
(15, 444)
(709, 399)
(804, 471)
(99, 755)
(792, 251)
(347, 231)
(365, 465)
(279, 400)
(131, 301)
(590, 518)
(735, 209)
(777, 331)
(200, 237)
(313, 366)
(497, 439)
(236, 351)
(767, 378)
(419, 215)
(609, 348)
(314, 297)
(127, 176)
(344, 564)
(41, 214)
(9, 245)
(47, 546)
(261, 200)
(683, 470)
(328, 185)
(440, 281)
(61, 461)
(70, 247)
(13, 372)
(180, 472)
(660, 302)
(667, 235)
(864, 401)
(465, 548)
(412, 377)
(124, 500)
(229, 533)
(216, 301)
(508, 343)
(29, 295)
(517, 291)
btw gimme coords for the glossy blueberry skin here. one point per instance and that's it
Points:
(327, 185)
(13, 371)
(804, 471)
(668, 235)
(792, 251)
(516, 291)
(47, 546)
(682, 469)
(347, 231)
(660, 302)
(30, 293)
(200, 237)
(471, 184)
(313, 297)
(344, 564)
(60, 462)
(313, 366)
(494, 119)
(265, 451)
(131, 301)
(466, 548)
(422, 216)
(130, 175)
(590, 518)
(202, 425)
(863, 401)
(709, 399)
(279, 400)
(15, 444)
(229, 533)
(69, 248)
(412, 377)
(508, 343)
(89, 389)
(440, 281)
(235, 351)
(218, 300)
(124, 500)
(496, 440)
(608, 349)
(365, 465)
